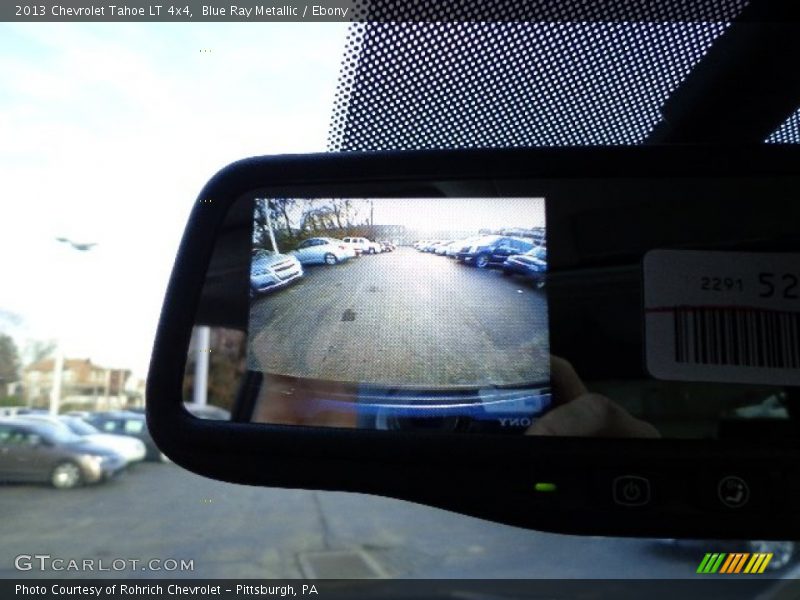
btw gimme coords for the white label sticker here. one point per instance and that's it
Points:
(722, 316)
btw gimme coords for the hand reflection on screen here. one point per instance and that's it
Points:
(576, 413)
(580, 413)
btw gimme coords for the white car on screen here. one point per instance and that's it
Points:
(322, 251)
(456, 247)
(270, 270)
(349, 249)
(362, 245)
(441, 247)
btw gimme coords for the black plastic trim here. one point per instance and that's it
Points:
(484, 476)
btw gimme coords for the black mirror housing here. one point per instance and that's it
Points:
(738, 487)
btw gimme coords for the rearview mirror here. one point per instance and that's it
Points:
(633, 370)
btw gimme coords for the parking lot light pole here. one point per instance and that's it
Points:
(269, 226)
(202, 355)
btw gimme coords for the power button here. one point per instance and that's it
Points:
(631, 490)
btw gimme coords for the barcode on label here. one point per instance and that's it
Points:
(739, 337)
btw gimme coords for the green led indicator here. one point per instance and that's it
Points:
(545, 487)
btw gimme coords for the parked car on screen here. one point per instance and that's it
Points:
(270, 271)
(492, 250)
(420, 244)
(348, 248)
(441, 248)
(387, 246)
(132, 424)
(322, 251)
(131, 449)
(455, 247)
(357, 244)
(363, 245)
(43, 452)
(360, 245)
(531, 265)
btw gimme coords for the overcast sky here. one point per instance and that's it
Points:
(107, 134)
(460, 214)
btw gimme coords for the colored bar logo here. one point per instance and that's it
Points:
(734, 563)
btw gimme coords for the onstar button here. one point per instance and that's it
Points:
(631, 490)
(733, 491)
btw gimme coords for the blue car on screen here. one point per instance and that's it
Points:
(532, 265)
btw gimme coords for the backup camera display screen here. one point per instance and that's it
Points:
(438, 302)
